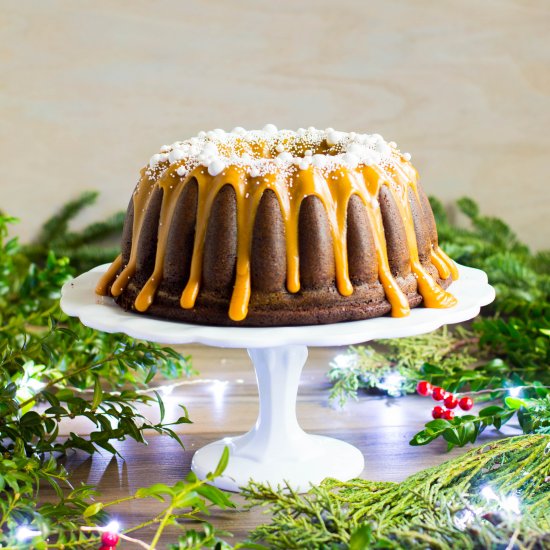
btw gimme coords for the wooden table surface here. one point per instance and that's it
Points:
(223, 401)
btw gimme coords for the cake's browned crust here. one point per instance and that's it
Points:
(318, 300)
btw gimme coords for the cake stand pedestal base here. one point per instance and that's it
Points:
(276, 449)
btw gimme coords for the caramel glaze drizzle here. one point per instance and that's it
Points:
(334, 191)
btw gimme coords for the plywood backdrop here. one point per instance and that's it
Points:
(90, 89)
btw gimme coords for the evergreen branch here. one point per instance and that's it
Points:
(441, 507)
(55, 228)
(96, 231)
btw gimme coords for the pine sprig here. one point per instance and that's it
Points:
(441, 507)
(520, 277)
(55, 228)
(88, 256)
(85, 248)
(96, 231)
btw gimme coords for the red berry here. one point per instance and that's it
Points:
(450, 401)
(448, 415)
(106, 547)
(439, 393)
(466, 403)
(110, 539)
(424, 388)
(437, 412)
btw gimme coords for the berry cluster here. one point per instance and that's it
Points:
(109, 541)
(425, 389)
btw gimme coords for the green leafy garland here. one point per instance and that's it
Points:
(52, 368)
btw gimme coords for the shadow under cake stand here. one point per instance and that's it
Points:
(276, 449)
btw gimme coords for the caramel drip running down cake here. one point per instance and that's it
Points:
(278, 227)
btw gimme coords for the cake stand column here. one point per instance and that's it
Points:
(276, 430)
(276, 449)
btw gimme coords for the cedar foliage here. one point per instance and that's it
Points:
(84, 373)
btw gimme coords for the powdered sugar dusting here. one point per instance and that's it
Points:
(269, 150)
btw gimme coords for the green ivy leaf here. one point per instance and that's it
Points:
(361, 538)
(98, 393)
(93, 509)
(222, 464)
(514, 403)
(492, 410)
(214, 495)
(438, 424)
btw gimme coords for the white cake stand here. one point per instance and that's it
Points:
(276, 449)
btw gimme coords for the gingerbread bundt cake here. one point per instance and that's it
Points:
(275, 227)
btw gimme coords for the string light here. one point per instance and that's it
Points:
(511, 504)
(24, 533)
(514, 392)
(466, 516)
(113, 527)
(508, 503)
(463, 518)
(344, 361)
(30, 384)
(392, 383)
(488, 494)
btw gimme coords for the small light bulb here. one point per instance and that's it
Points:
(511, 504)
(23, 533)
(344, 361)
(34, 384)
(488, 493)
(514, 392)
(113, 527)
(464, 518)
(167, 390)
(392, 383)
(393, 380)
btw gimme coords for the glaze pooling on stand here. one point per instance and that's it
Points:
(332, 166)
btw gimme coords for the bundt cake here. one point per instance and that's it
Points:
(277, 227)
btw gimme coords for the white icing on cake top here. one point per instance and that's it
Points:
(269, 150)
